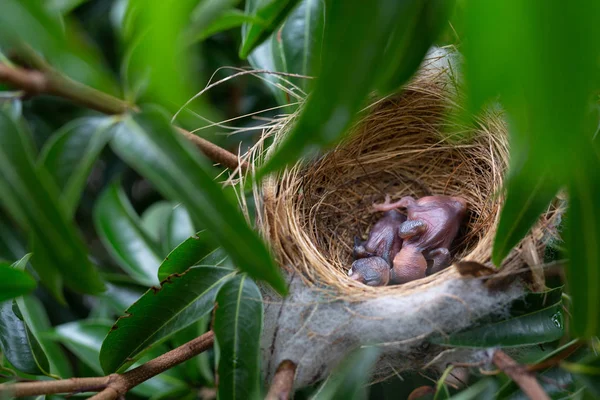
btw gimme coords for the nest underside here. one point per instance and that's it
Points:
(407, 144)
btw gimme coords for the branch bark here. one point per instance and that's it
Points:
(49, 81)
(520, 375)
(113, 386)
(283, 381)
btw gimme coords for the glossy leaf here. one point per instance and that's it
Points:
(237, 327)
(154, 220)
(419, 26)
(18, 344)
(70, 155)
(484, 389)
(352, 51)
(271, 13)
(119, 228)
(536, 319)
(193, 251)
(33, 201)
(179, 227)
(149, 144)
(14, 282)
(228, 20)
(35, 317)
(37, 25)
(350, 379)
(84, 338)
(181, 300)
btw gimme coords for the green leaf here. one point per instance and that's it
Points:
(120, 230)
(32, 199)
(350, 379)
(36, 320)
(179, 227)
(237, 327)
(181, 300)
(271, 13)
(84, 338)
(583, 238)
(154, 220)
(14, 282)
(18, 344)
(227, 20)
(157, 58)
(64, 6)
(536, 319)
(588, 371)
(70, 155)
(528, 196)
(484, 389)
(357, 33)
(195, 250)
(149, 144)
(66, 48)
(419, 26)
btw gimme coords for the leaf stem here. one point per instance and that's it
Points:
(45, 80)
(113, 386)
(520, 375)
(283, 381)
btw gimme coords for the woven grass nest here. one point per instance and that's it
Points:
(309, 214)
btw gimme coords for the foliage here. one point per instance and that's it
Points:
(125, 241)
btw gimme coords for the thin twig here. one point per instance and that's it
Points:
(113, 386)
(519, 374)
(48, 81)
(283, 381)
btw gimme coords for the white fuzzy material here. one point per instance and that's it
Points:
(316, 333)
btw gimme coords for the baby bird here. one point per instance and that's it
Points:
(372, 271)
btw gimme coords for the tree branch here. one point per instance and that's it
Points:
(113, 386)
(520, 375)
(283, 381)
(48, 81)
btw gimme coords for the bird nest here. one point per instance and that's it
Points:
(403, 145)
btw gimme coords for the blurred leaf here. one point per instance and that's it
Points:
(154, 220)
(181, 300)
(179, 227)
(536, 319)
(543, 62)
(263, 57)
(350, 379)
(11, 243)
(70, 155)
(14, 282)
(583, 238)
(121, 296)
(18, 344)
(271, 13)
(588, 371)
(120, 230)
(237, 327)
(227, 20)
(528, 196)
(156, 50)
(63, 6)
(32, 200)
(37, 322)
(149, 144)
(421, 23)
(32, 23)
(84, 338)
(484, 389)
(356, 36)
(195, 250)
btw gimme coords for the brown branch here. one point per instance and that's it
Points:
(48, 81)
(520, 375)
(113, 386)
(283, 381)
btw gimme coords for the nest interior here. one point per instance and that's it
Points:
(403, 145)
